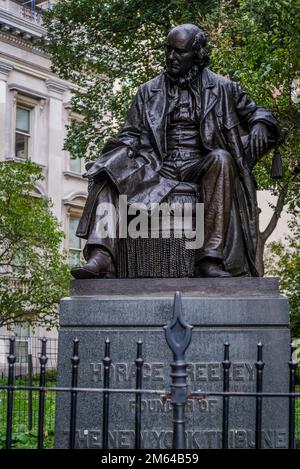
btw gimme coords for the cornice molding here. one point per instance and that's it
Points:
(74, 175)
(56, 86)
(69, 199)
(26, 91)
(22, 42)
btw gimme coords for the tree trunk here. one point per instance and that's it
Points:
(264, 235)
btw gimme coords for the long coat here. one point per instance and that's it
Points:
(133, 160)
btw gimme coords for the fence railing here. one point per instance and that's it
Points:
(26, 372)
(27, 351)
(30, 10)
(178, 336)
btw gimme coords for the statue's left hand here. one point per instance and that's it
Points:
(92, 169)
(88, 166)
(258, 139)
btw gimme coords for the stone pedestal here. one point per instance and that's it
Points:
(242, 311)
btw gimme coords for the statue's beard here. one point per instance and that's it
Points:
(187, 77)
(176, 71)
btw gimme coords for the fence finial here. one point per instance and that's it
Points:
(178, 332)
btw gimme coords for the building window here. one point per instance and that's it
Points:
(22, 132)
(75, 244)
(75, 165)
(22, 333)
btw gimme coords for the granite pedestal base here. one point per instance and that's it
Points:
(242, 311)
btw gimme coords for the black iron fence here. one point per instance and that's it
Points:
(26, 373)
(178, 336)
(27, 352)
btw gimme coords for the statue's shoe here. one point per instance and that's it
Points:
(211, 269)
(99, 265)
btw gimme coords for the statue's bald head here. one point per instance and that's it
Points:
(189, 32)
(185, 47)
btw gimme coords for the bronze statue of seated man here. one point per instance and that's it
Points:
(189, 125)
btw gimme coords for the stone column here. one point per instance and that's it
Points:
(5, 69)
(55, 144)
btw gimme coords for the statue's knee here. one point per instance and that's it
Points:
(221, 156)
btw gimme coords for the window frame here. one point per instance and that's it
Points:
(22, 333)
(24, 133)
(81, 165)
(25, 98)
(74, 214)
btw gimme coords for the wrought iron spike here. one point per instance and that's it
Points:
(178, 332)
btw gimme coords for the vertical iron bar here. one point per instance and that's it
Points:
(226, 365)
(259, 388)
(43, 361)
(75, 360)
(106, 365)
(10, 393)
(293, 367)
(32, 8)
(138, 397)
(178, 336)
(30, 375)
(24, 8)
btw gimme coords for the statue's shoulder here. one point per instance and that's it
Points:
(211, 78)
(153, 84)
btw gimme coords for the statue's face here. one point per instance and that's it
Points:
(180, 56)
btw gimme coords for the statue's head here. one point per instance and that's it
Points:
(185, 47)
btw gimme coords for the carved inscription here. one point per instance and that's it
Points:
(238, 438)
(156, 405)
(159, 372)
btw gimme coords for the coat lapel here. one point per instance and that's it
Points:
(156, 111)
(209, 93)
(157, 102)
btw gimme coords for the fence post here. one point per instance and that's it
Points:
(106, 383)
(178, 336)
(30, 378)
(226, 365)
(43, 361)
(10, 393)
(259, 388)
(138, 398)
(75, 360)
(292, 388)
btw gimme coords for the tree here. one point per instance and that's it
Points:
(98, 44)
(283, 260)
(33, 272)
(256, 42)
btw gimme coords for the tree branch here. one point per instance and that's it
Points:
(264, 235)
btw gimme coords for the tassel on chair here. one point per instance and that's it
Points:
(277, 169)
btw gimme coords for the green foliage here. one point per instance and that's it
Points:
(108, 48)
(257, 43)
(283, 261)
(33, 273)
(22, 436)
(97, 44)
